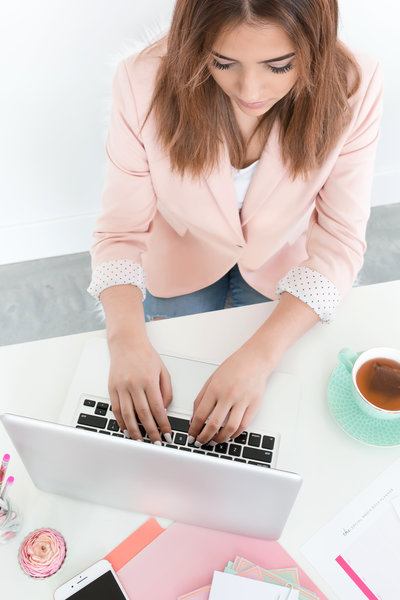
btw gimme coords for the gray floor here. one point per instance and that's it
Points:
(47, 298)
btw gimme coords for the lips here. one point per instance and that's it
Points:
(254, 105)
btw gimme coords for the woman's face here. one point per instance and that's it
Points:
(254, 66)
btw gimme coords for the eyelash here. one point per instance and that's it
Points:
(224, 67)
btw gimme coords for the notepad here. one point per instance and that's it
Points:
(358, 551)
(230, 587)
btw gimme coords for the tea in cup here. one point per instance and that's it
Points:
(375, 380)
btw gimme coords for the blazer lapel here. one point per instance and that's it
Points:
(220, 184)
(269, 173)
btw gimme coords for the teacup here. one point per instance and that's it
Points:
(374, 402)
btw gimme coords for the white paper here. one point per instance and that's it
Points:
(226, 586)
(358, 551)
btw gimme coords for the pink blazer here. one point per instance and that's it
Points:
(188, 234)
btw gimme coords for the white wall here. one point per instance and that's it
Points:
(57, 58)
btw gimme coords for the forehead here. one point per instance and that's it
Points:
(253, 43)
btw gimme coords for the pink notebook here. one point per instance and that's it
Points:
(184, 557)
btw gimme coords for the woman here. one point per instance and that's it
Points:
(240, 153)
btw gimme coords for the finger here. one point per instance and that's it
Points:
(116, 408)
(232, 423)
(213, 424)
(128, 414)
(202, 413)
(157, 408)
(143, 412)
(165, 386)
(247, 418)
(200, 395)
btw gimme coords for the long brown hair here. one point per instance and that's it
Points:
(195, 116)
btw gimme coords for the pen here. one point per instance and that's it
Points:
(9, 482)
(3, 468)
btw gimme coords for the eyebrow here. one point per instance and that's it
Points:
(262, 61)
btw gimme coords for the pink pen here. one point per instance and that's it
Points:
(3, 468)
(9, 482)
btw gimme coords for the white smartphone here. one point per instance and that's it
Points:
(98, 582)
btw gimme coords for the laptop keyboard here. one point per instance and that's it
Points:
(249, 447)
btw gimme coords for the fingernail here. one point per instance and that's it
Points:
(190, 439)
(138, 440)
(197, 444)
(157, 443)
(212, 443)
(168, 438)
(126, 434)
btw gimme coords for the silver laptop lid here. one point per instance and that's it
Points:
(186, 487)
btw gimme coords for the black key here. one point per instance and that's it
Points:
(212, 454)
(242, 438)
(92, 421)
(208, 447)
(87, 428)
(254, 439)
(221, 448)
(110, 409)
(251, 462)
(105, 432)
(256, 454)
(180, 438)
(112, 425)
(147, 440)
(226, 457)
(142, 430)
(239, 460)
(198, 451)
(235, 450)
(103, 405)
(170, 446)
(101, 411)
(179, 424)
(184, 448)
(268, 442)
(118, 435)
(89, 402)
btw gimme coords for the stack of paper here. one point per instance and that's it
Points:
(243, 579)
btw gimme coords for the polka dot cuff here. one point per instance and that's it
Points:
(312, 288)
(117, 272)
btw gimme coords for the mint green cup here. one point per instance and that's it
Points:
(352, 361)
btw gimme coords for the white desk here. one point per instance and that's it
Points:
(35, 376)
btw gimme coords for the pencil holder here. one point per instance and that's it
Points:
(10, 521)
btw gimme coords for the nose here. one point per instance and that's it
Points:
(251, 88)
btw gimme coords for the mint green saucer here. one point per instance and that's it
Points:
(352, 419)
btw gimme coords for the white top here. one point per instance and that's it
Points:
(311, 287)
(241, 181)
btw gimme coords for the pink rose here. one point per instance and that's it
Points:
(42, 553)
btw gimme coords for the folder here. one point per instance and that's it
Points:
(133, 544)
(166, 563)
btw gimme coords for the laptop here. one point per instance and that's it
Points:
(244, 486)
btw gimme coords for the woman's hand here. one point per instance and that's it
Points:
(231, 397)
(139, 387)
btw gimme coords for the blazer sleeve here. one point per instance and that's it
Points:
(335, 241)
(128, 198)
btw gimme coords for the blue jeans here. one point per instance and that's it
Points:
(212, 297)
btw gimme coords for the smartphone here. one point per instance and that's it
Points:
(98, 582)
